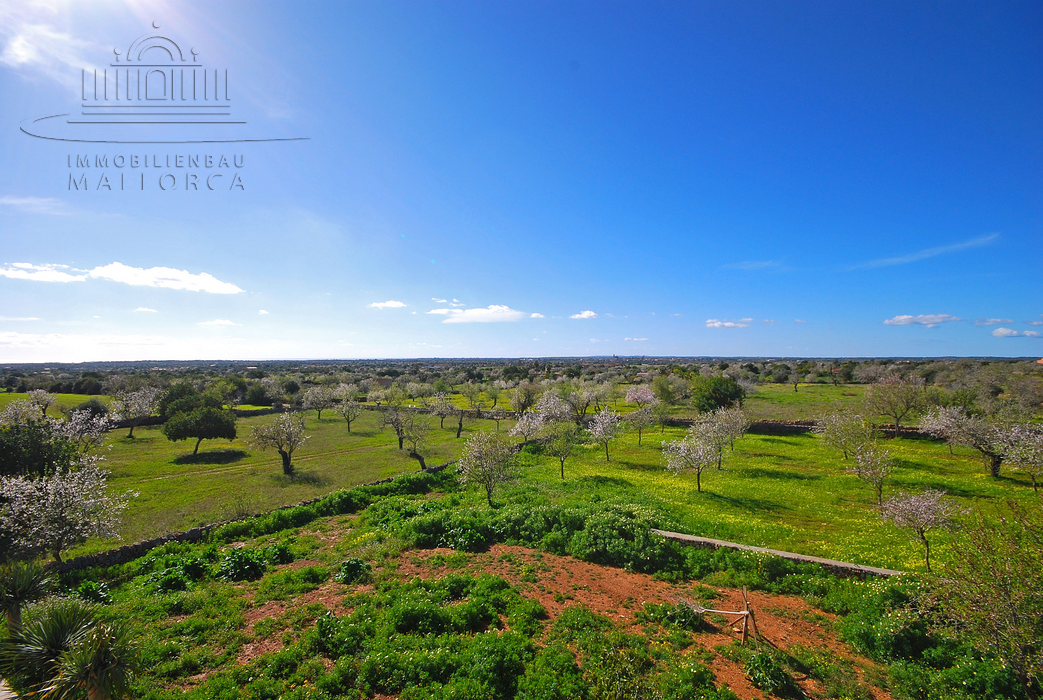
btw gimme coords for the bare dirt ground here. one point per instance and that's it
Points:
(558, 582)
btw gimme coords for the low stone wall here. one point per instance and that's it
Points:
(130, 552)
(838, 568)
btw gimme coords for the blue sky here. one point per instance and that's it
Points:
(537, 179)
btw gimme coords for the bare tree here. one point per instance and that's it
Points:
(991, 590)
(473, 393)
(524, 396)
(844, 431)
(640, 420)
(415, 431)
(561, 440)
(285, 435)
(604, 428)
(896, 397)
(396, 418)
(493, 392)
(873, 464)
(348, 408)
(661, 413)
(487, 460)
(442, 408)
(734, 423)
(689, 454)
(921, 513)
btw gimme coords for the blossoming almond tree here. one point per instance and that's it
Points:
(921, 513)
(52, 513)
(604, 428)
(285, 435)
(488, 461)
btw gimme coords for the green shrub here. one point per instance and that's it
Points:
(242, 565)
(353, 570)
(552, 675)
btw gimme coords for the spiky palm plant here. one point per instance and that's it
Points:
(30, 657)
(21, 583)
(100, 665)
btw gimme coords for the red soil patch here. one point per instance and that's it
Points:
(560, 582)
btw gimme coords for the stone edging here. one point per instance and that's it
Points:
(839, 568)
(130, 552)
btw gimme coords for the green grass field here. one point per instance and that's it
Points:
(783, 492)
(227, 478)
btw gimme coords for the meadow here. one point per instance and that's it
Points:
(783, 492)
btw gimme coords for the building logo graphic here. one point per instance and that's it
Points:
(152, 92)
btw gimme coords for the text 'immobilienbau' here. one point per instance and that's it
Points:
(186, 173)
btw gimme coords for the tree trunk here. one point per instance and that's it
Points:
(898, 426)
(441, 422)
(993, 462)
(196, 451)
(927, 552)
(131, 433)
(606, 452)
(698, 482)
(460, 425)
(349, 424)
(639, 437)
(419, 458)
(563, 469)
(287, 467)
(318, 414)
(400, 438)
(489, 494)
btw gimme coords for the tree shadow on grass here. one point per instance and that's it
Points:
(211, 457)
(758, 472)
(298, 478)
(602, 480)
(754, 505)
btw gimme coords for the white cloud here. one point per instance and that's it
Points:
(636, 340)
(929, 252)
(439, 301)
(535, 315)
(493, 313)
(386, 305)
(18, 318)
(1011, 333)
(716, 323)
(145, 308)
(262, 312)
(992, 321)
(769, 321)
(37, 205)
(584, 314)
(929, 320)
(40, 273)
(167, 277)
(800, 320)
(1035, 323)
(218, 322)
(746, 320)
(458, 305)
